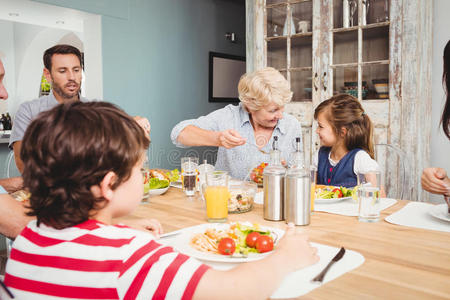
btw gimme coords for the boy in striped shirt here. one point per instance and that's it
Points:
(83, 168)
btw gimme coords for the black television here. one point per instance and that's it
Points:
(225, 70)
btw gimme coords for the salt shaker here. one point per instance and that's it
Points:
(297, 189)
(273, 185)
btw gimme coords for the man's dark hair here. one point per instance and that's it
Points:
(60, 49)
(71, 148)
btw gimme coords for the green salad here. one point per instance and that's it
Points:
(152, 183)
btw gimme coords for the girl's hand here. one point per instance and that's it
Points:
(435, 180)
(230, 138)
(297, 250)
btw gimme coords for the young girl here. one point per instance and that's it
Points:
(345, 133)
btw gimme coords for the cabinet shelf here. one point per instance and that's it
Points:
(365, 63)
(276, 3)
(300, 69)
(368, 26)
(276, 38)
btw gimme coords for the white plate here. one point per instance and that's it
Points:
(155, 192)
(183, 244)
(440, 211)
(331, 200)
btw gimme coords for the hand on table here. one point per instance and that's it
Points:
(230, 138)
(435, 180)
(149, 225)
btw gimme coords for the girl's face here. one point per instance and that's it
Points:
(268, 116)
(325, 131)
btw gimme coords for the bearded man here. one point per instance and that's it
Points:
(63, 70)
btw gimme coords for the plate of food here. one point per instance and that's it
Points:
(440, 211)
(157, 182)
(228, 242)
(256, 175)
(325, 194)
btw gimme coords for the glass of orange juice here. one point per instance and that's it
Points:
(216, 194)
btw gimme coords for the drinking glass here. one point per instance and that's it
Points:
(189, 171)
(216, 194)
(369, 186)
(313, 171)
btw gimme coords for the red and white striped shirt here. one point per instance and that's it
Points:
(97, 261)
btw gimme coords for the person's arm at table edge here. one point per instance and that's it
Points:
(12, 184)
(13, 218)
(16, 147)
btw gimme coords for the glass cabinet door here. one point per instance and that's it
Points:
(289, 40)
(360, 51)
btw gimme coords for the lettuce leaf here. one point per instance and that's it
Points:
(173, 175)
(155, 183)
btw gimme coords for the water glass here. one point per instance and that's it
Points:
(313, 171)
(189, 172)
(216, 194)
(369, 186)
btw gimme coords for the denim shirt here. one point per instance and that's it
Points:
(239, 161)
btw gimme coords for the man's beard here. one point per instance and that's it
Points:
(58, 90)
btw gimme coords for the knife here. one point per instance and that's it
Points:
(337, 257)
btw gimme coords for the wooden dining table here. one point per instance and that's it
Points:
(400, 262)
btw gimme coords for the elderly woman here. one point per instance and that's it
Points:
(244, 133)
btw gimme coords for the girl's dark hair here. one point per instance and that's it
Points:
(345, 111)
(445, 120)
(69, 149)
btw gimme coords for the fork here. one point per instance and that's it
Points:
(260, 150)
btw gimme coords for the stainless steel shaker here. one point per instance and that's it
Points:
(273, 186)
(297, 197)
(274, 195)
(297, 189)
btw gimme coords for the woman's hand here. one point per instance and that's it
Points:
(230, 138)
(435, 180)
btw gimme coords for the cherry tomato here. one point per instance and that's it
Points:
(264, 244)
(340, 194)
(227, 246)
(251, 238)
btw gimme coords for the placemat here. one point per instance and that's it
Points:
(350, 207)
(299, 283)
(417, 214)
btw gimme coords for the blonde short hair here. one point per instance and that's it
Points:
(264, 87)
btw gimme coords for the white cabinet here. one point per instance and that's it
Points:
(376, 50)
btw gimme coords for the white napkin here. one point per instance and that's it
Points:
(259, 198)
(416, 214)
(299, 283)
(350, 207)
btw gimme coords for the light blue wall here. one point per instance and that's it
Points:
(155, 58)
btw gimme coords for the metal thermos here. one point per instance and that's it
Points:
(273, 185)
(297, 198)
